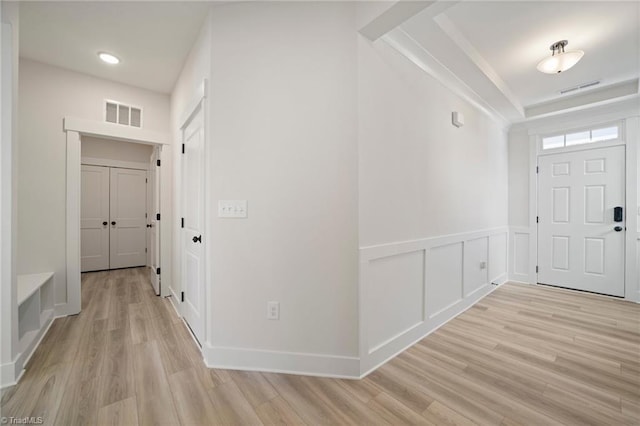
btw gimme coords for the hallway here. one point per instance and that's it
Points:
(523, 355)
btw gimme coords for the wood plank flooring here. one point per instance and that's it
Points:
(524, 355)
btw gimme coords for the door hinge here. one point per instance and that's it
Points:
(182, 296)
(146, 180)
(537, 219)
(158, 162)
(157, 216)
(537, 169)
(145, 215)
(182, 223)
(157, 271)
(183, 148)
(145, 249)
(537, 269)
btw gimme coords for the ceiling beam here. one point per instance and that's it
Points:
(385, 18)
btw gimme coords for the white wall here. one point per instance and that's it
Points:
(47, 94)
(283, 134)
(419, 175)
(432, 203)
(107, 149)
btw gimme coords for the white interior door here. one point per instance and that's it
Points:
(153, 246)
(94, 218)
(128, 196)
(192, 228)
(580, 245)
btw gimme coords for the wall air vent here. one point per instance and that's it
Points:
(119, 113)
(580, 87)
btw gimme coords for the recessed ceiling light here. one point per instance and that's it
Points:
(559, 60)
(108, 58)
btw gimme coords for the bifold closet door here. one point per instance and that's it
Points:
(94, 218)
(127, 223)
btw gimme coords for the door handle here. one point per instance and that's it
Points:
(618, 228)
(113, 222)
(149, 225)
(105, 223)
(197, 239)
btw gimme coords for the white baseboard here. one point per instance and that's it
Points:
(281, 362)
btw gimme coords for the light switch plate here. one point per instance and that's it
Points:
(232, 208)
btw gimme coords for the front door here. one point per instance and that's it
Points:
(580, 241)
(193, 222)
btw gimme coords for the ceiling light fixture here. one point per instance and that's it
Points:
(108, 58)
(559, 60)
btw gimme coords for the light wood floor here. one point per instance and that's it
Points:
(525, 355)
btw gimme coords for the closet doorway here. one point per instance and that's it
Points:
(114, 204)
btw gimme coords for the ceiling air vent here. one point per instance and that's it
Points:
(579, 87)
(119, 113)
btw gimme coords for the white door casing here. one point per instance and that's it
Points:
(578, 246)
(192, 179)
(153, 247)
(128, 205)
(94, 218)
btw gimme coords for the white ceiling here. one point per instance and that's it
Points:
(494, 48)
(152, 39)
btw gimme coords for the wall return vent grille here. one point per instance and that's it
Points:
(119, 113)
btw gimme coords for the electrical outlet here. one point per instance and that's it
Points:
(273, 310)
(483, 265)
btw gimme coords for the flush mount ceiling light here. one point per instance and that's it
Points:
(108, 58)
(559, 60)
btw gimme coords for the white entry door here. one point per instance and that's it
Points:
(192, 226)
(94, 218)
(128, 205)
(153, 188)
(580, 245)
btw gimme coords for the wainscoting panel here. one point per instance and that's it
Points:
(395, 296)
(476, 256)
(519, 255)
(410, 288)
(444, 277)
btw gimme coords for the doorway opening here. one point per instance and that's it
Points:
(76, 130)
(115, 206)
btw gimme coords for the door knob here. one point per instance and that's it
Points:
(618, 228)
(197, 239)
(105, 223)
(113, 222)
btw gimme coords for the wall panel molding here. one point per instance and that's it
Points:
(456, 272)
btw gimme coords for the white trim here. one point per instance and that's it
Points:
(281, 362)
(74, 128)
(115, 131)
(105, 162)
(192, 107)
(74, 301)
(632, 241)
